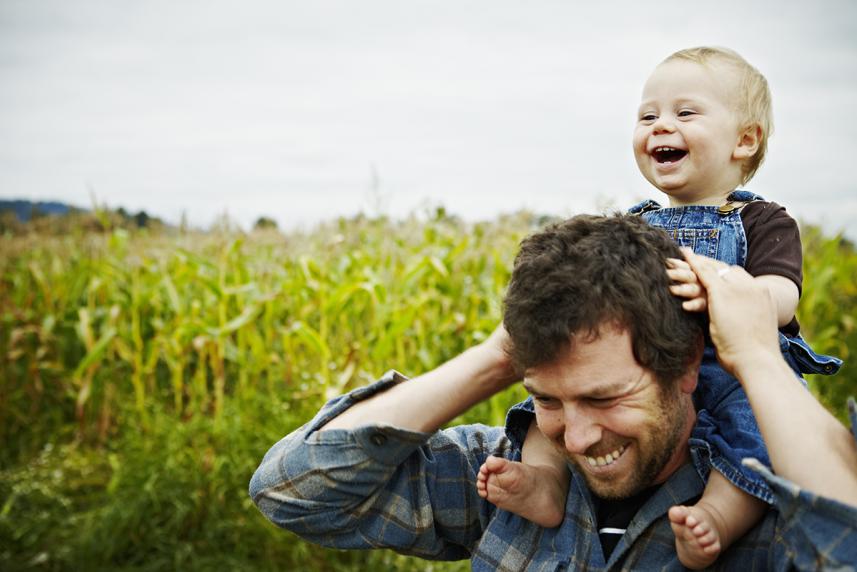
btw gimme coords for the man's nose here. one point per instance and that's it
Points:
(581, 431)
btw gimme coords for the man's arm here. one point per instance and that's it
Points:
(807, 445)
(430, 400)
(371, 471)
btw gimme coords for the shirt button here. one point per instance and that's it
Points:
(378, 439)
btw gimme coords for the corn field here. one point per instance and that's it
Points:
(143, 375)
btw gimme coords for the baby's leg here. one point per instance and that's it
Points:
(723, 514)
(535, 489)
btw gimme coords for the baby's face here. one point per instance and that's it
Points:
(687, 135)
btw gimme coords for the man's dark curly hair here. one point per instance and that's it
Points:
(588, 272)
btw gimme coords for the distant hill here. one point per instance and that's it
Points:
(25, 210)
(53, 216)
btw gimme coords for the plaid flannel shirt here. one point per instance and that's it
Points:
(384, 487)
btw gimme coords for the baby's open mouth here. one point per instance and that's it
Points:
(668, 154)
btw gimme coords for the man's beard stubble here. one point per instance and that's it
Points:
(664, 434)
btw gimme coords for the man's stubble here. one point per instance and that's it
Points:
(661, 438)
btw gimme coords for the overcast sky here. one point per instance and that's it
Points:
(306, 110)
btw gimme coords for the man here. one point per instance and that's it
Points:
(616, 370)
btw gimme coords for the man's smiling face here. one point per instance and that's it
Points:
(610, 417)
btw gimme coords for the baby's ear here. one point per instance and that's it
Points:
(748, 142)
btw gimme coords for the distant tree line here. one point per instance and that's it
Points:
(21, 217)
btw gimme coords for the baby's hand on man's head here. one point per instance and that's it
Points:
(686, 285)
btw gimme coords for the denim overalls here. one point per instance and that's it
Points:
(726, 429)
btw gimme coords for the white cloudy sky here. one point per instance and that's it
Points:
(285, 108)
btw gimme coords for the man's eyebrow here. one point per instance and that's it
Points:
(601, 392)
(530, 389)
(612, 390)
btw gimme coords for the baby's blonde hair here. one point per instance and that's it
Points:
(754, 97)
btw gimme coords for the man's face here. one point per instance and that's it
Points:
(608, 415)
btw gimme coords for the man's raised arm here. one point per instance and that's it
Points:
(430, 400)
(363, 473)
(807, 445)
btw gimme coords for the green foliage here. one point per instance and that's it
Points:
(827, 313)
(143, 376)
(175, 362)
(265, 223)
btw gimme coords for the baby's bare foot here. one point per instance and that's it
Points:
(533, 492)
(697, 535)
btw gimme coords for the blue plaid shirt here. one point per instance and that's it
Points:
(384, 487)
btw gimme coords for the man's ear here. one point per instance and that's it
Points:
(688, 381)
(748, 142)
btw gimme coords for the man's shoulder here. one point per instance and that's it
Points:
(476, 440)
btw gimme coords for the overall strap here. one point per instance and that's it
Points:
(644, 207)
(736, 201)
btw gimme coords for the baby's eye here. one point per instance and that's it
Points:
(648, 117)
(686, 113)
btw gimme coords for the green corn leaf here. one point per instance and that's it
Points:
(96, 353)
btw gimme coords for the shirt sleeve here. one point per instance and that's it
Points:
(814, 532)
(379, 486)
(773, 242)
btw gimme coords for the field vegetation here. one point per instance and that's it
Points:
(144, 372)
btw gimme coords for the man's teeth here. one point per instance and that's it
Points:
(607, 459)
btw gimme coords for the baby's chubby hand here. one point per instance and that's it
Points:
(686, 285)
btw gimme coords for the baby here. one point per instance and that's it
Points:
(701, 132)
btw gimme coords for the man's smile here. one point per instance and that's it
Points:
(608, 459)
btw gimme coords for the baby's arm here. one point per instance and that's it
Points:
(785, 295)
(783, 291)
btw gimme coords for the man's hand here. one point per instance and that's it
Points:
(686, 285)
(497, 345)
(432, 399)
(807, 445)
(743, 314)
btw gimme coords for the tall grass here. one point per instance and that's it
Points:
(142, 376)
(187, 321)
(828, 313)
